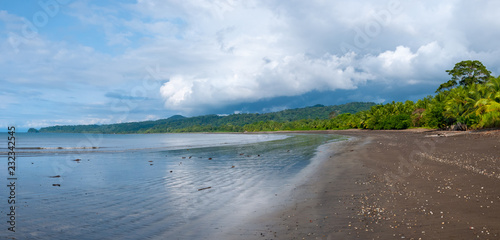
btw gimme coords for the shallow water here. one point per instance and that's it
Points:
(149, 186)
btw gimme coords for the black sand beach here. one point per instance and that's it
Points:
(413, 184)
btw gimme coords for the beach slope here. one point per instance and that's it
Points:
(392, 185)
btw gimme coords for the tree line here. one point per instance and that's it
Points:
(471, 100)
(216, 123)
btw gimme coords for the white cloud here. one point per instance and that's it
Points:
(288, 76)
(7, 100)
(275, 109)
(225, 52)
(151, 118)
(397, 63)
(52, 122)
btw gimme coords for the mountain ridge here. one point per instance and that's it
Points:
(213, 122)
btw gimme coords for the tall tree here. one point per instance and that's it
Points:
(466, 73)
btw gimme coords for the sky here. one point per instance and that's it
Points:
(68, 62)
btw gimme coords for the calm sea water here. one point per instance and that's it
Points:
(154, 186)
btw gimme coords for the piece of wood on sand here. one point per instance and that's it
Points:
(204, 188)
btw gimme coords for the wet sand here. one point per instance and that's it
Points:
(412, 184)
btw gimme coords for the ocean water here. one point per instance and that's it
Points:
(153, 186)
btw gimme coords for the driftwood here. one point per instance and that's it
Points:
(204, 188)
(458, 127)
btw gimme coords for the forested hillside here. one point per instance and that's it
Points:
(470, 100)
(217, 123)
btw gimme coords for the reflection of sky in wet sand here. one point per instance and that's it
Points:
(121, 195)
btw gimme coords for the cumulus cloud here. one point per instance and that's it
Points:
(288, 76)
(405, 44)
(224, 52)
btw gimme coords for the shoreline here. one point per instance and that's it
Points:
(414, 184)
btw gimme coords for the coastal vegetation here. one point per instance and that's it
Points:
(300, 117)
(469, 100)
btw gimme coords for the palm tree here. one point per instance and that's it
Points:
(488, 107)
(460, 104)
(454, 103)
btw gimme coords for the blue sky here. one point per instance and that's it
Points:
(67, 62)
